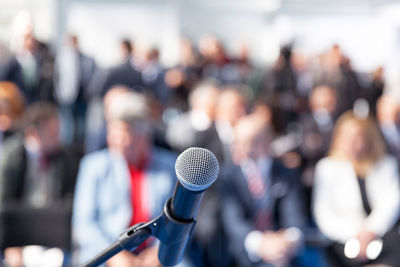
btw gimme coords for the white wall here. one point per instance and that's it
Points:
(42, 12)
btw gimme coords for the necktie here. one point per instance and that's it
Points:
(258, 189)
(255, 180)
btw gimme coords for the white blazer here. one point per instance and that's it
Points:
(337, 203)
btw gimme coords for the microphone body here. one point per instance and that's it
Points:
(196, 169)
(185, 204)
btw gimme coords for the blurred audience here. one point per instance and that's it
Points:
(375, 89)
(35, 170)
(183, 77)
(74, 72)
(10, 69)
(316, 131)
(126, 49)
(197, 126)
(122, 116)
(262, 207)
(35, 59)
(127, 73)
(96, 135)
(280, 84)
(334, 69)
(231, 106)
(122, 185)
(356, 195)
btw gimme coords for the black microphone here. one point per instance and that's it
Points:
(196, 169)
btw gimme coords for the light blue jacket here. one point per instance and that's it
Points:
(102, 204)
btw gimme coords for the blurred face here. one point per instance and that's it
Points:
(127, 140)
(47, 135)
(29, 43)
(206, 102)
(250, 142)
(110, 97)
(323, 98)
(353, 141)
(231, 109)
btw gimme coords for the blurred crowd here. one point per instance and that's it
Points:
(308, 151)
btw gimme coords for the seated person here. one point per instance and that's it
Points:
(356, 194)
(125, 184)
(262, 209)
(35, 171)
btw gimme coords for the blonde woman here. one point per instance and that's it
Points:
(356, 195)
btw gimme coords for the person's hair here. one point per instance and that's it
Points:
(374, 139)
(13, 96)
(39, 113)
(127, 44)
(129, 107)
(201, 90)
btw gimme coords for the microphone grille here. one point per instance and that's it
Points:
(196, 168)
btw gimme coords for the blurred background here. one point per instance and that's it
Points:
(266, 85)
(263, 25)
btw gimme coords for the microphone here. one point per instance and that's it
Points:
(196, 169)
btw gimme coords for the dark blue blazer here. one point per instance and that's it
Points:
(239, 214)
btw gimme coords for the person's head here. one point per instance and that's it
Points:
(109, 97)
(357, 140)
(42, 127)
(29, 43)
(209, 46)
(11, 105)
(388, 110)
(152, 54)
(187, 54)
(231, 106)
(252, 139)
(204, 98)
(128, 129)
(323, 98)
(126, 48)
(72, 40)
(263, 110)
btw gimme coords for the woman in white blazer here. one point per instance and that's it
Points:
(356, 195)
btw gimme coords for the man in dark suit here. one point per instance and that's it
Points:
(35, 171)
(127, 74)
(262, 208)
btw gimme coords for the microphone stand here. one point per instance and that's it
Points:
(161, 227)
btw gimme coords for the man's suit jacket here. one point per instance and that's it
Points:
(239, 214)
(124, 74)
(23, 224)
(102, 205)
(63, 167)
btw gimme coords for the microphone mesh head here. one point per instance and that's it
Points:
(196, 168)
